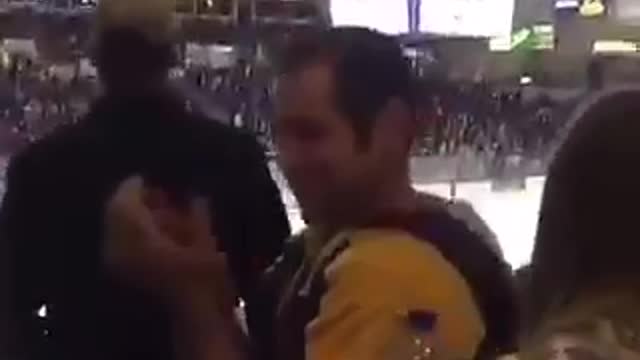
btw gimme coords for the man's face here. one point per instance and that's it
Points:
(329, 172)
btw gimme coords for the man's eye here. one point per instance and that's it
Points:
(309, 133)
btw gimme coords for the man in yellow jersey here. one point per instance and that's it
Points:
(382, 272)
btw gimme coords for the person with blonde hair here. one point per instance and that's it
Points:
(134, 43)
(584, 284)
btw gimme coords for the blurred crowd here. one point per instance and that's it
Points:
(34, 100)
(145, 229)
(488, 119)
(484, 119)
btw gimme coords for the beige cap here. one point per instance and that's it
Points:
(154, 18)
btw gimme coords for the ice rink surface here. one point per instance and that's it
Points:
(511, 214)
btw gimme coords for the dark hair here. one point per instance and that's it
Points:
(369, 69)
(126, 58)
(586, 239)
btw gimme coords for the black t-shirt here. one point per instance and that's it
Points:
(52, 223)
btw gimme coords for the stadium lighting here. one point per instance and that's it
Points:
(591, 8)
(526, 80)
(42, 312)
(614, 46)
(567, 4)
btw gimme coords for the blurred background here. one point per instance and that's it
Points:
(498, 80)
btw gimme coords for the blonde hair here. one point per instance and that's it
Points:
(154, 19)
(605, 322)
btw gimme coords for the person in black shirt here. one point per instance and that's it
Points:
(51, 219)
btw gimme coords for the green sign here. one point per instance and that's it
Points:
(537, 37)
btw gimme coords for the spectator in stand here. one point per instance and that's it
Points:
(51, 218)
(380, 266)
(584, 281)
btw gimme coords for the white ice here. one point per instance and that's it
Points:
(511, 214)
